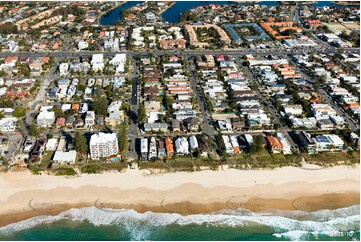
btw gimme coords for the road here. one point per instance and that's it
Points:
(66, 54)
(133, 130)
(205, 122)
(41, 96)
(265, 100)
(272, 110)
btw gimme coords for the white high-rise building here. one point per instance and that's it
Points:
(103, 145)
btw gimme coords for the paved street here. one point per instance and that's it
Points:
(205, 122)
(133, 130)
(41, 96)
(243, 51)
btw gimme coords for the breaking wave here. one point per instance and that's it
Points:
(293, 225)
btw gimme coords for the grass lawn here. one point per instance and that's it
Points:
(262, 159)
(333, 158)
(101, 166)
(46, 159)
(180, 164)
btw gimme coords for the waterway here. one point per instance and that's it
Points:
(172, 15)
(115, 15)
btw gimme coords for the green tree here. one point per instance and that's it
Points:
(19, 112)
(100, 106)
(220, 141)
(142, 116)
(122, 138)
(21, 127)
(257, 144)
(34, 130)
(80, 143)
(167, 101)
(58, 112)
(8, 28)
(22, 42)
(81, 87)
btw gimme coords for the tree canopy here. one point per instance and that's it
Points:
(100, 106)
(80, 143)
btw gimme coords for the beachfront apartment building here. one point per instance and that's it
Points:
(103, 145)
(193, 143)
(307, 142)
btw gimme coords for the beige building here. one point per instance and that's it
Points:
(193, 38)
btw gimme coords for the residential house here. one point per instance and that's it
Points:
(169, 147)
(45, 118)
(286, 147)
(307, 142)
(156, 127)
(193, 143)
(182, 146)
(144, 148)
(274, 144)
(90, 119)
(191, 123)
(64, 157)
(70, 121)
(175, 125)
(328, 142)
(161, 149)
(60, 122)
(38, 149)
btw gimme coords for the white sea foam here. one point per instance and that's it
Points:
(325, 221)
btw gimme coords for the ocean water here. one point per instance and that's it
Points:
(91, 223)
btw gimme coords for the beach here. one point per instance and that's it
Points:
(290, 188)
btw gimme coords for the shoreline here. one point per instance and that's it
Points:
(25, 195)
(166, 9)
(258, 205)
(105, 12)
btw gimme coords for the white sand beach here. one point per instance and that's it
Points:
(24, 195)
